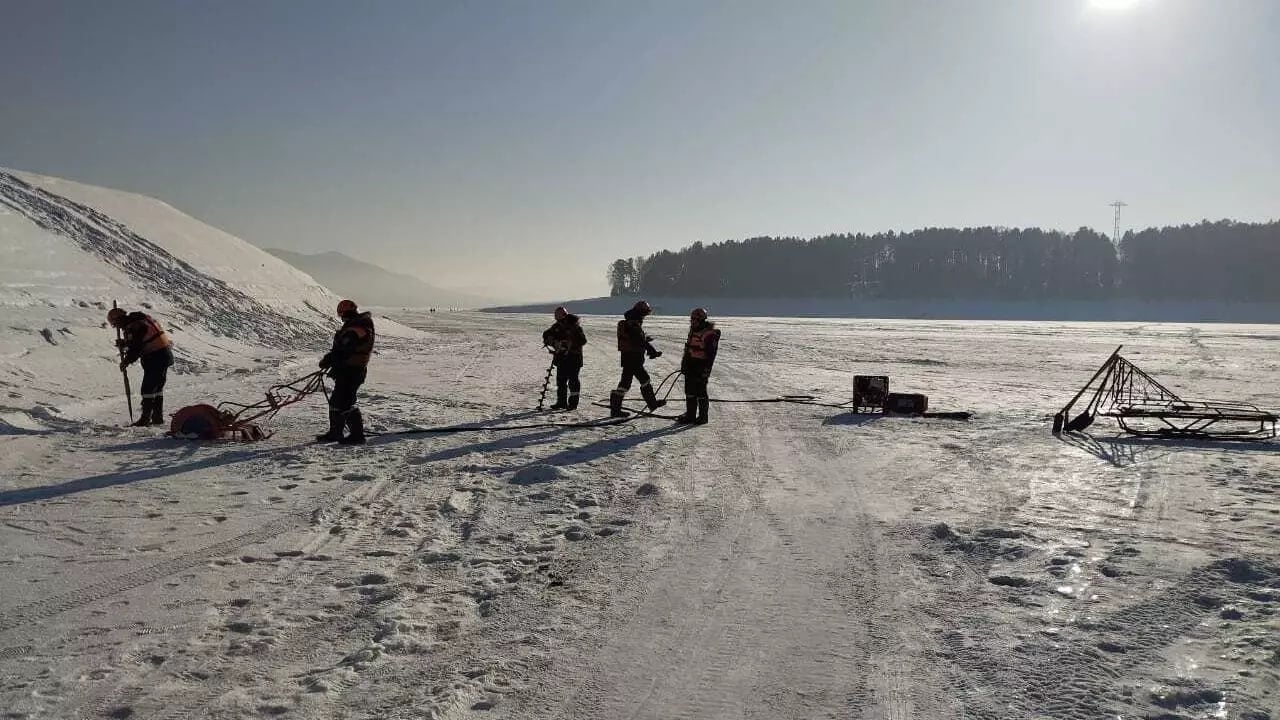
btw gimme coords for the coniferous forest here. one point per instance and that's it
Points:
(1224, 260)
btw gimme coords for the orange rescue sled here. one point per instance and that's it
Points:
(240, 421)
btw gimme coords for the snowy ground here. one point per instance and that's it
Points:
(783, 562)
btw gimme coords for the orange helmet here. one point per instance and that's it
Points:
(561, 313)
(346, 307)
(115, 316)
(699, 314)
(642, 307)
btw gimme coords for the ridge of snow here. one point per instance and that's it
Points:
(68, 250)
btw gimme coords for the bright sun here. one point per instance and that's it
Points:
(1112, 4)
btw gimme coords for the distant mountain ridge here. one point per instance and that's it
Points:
(369, 284)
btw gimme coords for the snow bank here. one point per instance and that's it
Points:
(68, 250)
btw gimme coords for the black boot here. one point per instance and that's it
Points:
(573, 401)
(691, 411)
(157, 411)
(355, 423)
(560, 400)
(703, 405)
(615, 405)
(335, 428)
(144, 417)
(651, 399)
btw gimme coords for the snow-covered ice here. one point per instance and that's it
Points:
(785, 561)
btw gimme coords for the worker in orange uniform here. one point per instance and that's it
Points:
(348, 364)
(142, 339)
(699, 355)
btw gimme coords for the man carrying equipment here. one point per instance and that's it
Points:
(634, 345)
(699, 355)
(566, 338)
(348, 364)
(143, 339)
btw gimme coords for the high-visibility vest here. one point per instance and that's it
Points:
(153, 336)
(360, 349)
(701, 341)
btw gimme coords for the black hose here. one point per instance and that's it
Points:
(449, 429)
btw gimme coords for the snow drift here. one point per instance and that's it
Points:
(68, 250)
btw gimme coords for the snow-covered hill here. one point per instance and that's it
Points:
(374, 285)
(68, 250)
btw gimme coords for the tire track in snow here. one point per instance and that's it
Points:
(726, 630)
(293, 643)
(49, 607)
(125, 694)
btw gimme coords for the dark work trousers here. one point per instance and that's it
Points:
(346, 381)
(695, 379)
(568, 385)
(633, 367)
(155, 371)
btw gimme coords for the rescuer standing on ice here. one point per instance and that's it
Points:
(143, 339)
(634, 345)
(699, 355)
(348, 364)
(566, 338)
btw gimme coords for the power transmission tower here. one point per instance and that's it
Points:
(1115, 236)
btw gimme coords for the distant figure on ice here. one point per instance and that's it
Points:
(634, 345)
(348, 364)
(566, 338)
(143, 339)
(699, 355)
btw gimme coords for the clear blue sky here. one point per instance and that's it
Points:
(524, 145)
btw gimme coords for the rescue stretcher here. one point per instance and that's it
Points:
(241, 421)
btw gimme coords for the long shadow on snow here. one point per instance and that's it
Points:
(606, 447)
(507, 442)
(494, 422)
(851, 418)
(105, 480)
(1124, 450)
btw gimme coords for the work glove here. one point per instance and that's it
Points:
(325, 362)
(655, 354)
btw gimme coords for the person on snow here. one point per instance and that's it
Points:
(699, 355)
(348, 364)
(143, 339)
(566, 338)
(634, 345)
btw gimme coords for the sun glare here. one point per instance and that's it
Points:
(1112, 5)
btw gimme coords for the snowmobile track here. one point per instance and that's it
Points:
(42, 609)
(302, 644)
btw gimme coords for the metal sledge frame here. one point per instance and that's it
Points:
(241, 419)
(1125, 392)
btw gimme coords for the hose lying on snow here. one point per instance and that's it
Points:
(450, 429)
(669, 385)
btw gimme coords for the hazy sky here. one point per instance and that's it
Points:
(524, 145)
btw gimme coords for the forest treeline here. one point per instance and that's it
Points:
(1223, 260)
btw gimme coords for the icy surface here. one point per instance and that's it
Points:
(784, 561)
